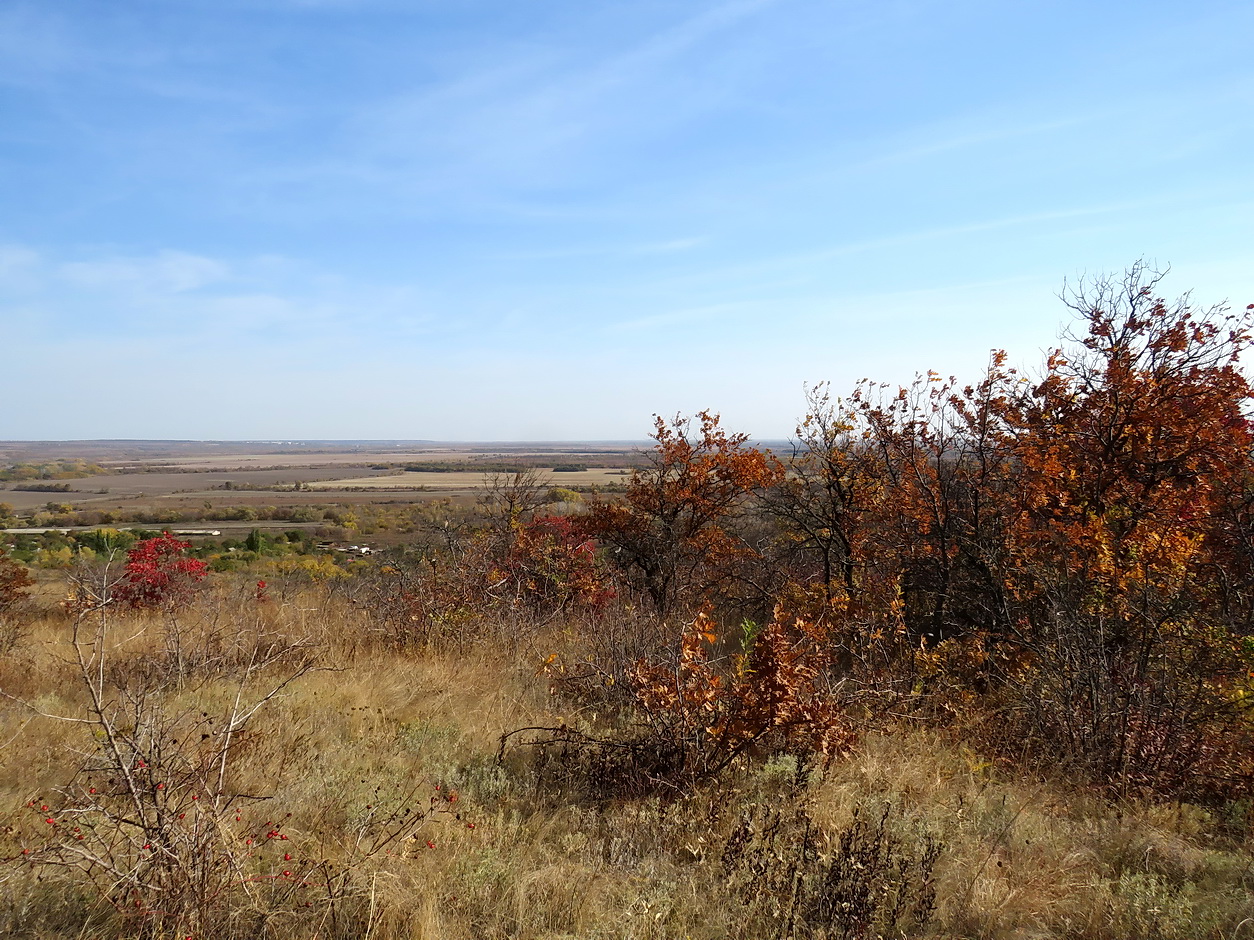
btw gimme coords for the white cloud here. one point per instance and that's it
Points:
(165, 272)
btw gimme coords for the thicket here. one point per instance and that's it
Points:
(1068, 552)
(54, 470)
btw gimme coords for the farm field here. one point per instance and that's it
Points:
(468, 479)
(131, 489)
(165, 474)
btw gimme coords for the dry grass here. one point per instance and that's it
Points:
(347, 748)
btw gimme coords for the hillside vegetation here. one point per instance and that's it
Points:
(973, 661)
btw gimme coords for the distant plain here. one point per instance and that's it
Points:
(168, 473)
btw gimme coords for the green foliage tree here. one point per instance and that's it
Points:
(255, 542)
(106, 541)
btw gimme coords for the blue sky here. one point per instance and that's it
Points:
(549, 219)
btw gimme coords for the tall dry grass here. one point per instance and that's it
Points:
(379, 764)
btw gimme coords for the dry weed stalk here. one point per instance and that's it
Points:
(152, 820)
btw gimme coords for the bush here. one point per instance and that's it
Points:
(159, 574)
(15, 583)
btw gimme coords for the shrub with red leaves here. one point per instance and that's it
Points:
(553, 561)
(159, 574)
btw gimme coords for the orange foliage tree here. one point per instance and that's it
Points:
(669, 530)
(900, 498)
(1130, 569)
(1081, 547)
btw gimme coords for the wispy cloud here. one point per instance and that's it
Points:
(771, 268)
(667, 247)
(166, 272)
(16, 261)
(537, 109)
(675, 40)
(686, 317)
(214, 302)
(928, 140)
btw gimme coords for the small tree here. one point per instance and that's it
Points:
(826, 500)
(254, 543)
(669, 528)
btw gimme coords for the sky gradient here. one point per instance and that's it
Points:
(547, 220)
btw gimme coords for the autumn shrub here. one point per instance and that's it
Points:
(1156, 712)
(158, 574)
(439, 601)
(509, 579)
(1073, 550)
(552, 565)
(696, 715)
(15, 583)
(1129, 578)
(589, 665)
(15, 586)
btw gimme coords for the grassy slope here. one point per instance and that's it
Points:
(376, 730)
